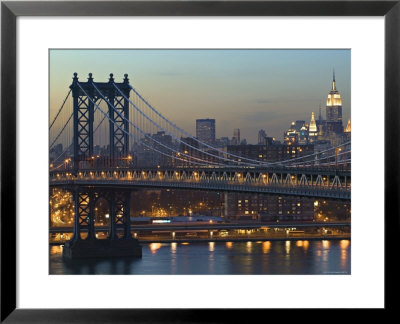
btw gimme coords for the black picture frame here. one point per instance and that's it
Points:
(10, 10)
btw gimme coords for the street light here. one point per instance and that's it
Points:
(336, 154)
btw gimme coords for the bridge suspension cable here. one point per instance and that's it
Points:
(144, 133)
(155, 119)
(132, 135)
(61, 108)
(324, 158)
(314, 154)
(65, 125)
(255, 162)
(179, 140)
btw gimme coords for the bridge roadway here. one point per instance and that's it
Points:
(314, 182)
(218, 226)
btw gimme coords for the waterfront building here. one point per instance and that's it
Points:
(259, 207)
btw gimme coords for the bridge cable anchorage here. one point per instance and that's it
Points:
(145, 134)
(257, 162)
(134, 136)
(62, 106)
(183, 142)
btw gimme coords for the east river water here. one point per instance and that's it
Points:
(329, 257)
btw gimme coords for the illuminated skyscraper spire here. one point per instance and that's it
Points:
(334, 109)
(313, 125)
(334, 98)
(348, 127)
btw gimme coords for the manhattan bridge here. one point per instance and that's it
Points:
(101, 128)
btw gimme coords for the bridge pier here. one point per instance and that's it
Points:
(113, 246)
(84, 249)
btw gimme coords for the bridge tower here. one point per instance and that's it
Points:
(86, 95)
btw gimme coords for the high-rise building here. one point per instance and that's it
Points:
(348, 127)
(261, 136)
(347, 131)
(205, 130)
(334, 110)
(236, 136)
(290, 136)
(312, 130)
(299, 124)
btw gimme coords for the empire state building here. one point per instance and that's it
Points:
(334, 110)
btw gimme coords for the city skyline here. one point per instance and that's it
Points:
(253, 89)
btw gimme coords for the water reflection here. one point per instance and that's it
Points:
(211, 258)
(344, 245)
(266, 247)
(278, 257)
(211, 246)
(249, 246)
(154, 247)
(305, 245)
(287, 247)
(326, 244)
(173, 247)
(56, 249)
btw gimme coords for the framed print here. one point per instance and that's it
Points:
(160, 159)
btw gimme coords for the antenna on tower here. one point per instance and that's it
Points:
(333, 81)
(320, 114)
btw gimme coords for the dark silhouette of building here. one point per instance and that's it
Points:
(205, 130)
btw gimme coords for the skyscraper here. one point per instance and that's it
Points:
(236, 136)
(205, 130)
(334, 110)
(312, 130)
(261, 136)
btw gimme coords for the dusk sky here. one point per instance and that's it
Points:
(246, 89)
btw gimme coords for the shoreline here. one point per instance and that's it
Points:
(247, 239)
